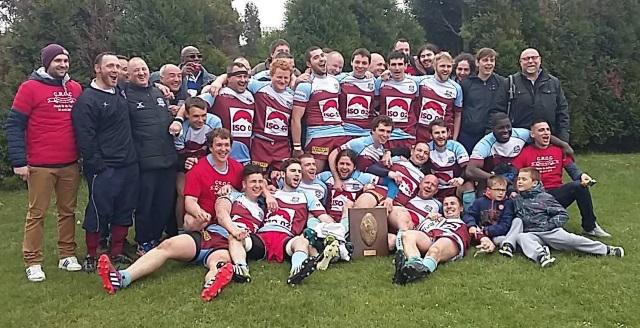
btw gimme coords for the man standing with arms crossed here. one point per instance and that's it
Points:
(42, 151)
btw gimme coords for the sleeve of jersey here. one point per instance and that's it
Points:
(302, 94)
(392, 187)
(522, 134)
(255, 85)
(354, 144)
(179, 141)
(459, 96)
(461, 154)
(324, 176)
(366, 178)
(481, 150)
(314, 205)
(208, 98)
(233, 196)
(213, 121)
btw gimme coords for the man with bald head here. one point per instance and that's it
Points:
(533, 94)
(150, 120)
(171, 77)
(335, 63)
(378, 64)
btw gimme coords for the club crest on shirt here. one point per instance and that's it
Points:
(161, 102)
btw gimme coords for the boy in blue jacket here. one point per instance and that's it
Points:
(489, 217)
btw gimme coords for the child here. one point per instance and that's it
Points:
(542, 218)
(191, 145)
(489, 217)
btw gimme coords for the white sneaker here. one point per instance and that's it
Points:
(597, 232)
(70, 264)
(35, 273)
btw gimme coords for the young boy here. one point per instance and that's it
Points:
(191, 144)
(542, 218)
(489, 217)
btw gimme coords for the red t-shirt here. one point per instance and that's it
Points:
(549, 162)
(49, 136)
(203, 182)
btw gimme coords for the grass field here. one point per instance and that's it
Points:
(488, 291)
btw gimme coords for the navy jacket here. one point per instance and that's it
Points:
(103, 130)
(150, 120)
(493, 217)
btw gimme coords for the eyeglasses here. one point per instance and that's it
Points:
(194, 56)
(499, 189)
(528, 58)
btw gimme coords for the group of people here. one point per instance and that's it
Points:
(265, 163)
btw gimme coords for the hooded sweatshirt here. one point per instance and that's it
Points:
(539, 210)
(39, 128)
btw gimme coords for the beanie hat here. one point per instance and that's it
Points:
(48, 53)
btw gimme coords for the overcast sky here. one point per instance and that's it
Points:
(271, 12)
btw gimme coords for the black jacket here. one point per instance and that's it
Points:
(539, 210)
(543, 99)
(479, 100)
(103, 130)
(150, 120)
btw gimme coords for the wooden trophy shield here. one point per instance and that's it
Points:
(368, 231)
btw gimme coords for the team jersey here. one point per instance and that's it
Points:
(203, 182)
(245, 213)
(356, 103)
(193, 142)
(316, 188)
(273, 111)
(236, 111)
(351, 189)
(437, 100)
(488, 152)
(549, 162)
(449, 163)
(411, 176)
(294, 208)
(368, 152)
(320, 99)
(419, 208)
(397, 100)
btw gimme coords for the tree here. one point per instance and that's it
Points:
(374, 24)
(252, 31)
(441, 21)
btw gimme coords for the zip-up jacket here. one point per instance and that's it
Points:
(539, 210)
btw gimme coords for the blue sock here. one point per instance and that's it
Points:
(297, 258)
(467, 199)
(430, 263)
(345, 224)
(126, 278)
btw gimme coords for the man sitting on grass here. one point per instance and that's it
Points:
(541, 228)
(441, 239)
(208, 247)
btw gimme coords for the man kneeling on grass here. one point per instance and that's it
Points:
(538, 222)
(208, 247)
(441, 239)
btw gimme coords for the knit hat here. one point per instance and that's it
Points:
(48, 53)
